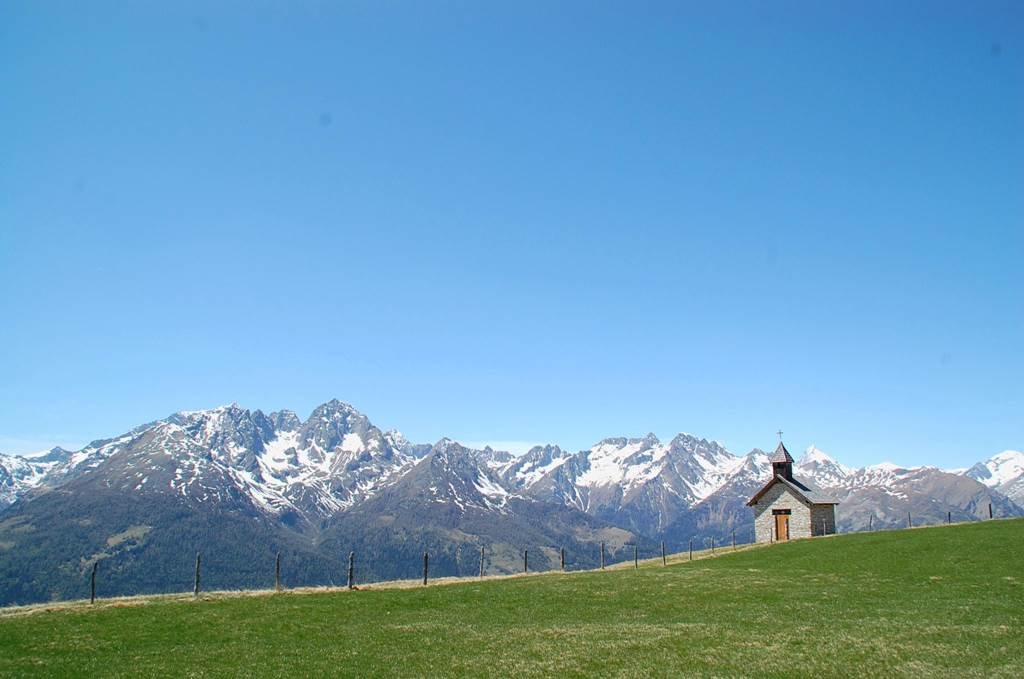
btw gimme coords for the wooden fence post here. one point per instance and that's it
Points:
(481, 562)
(949, 518)
(910, 522)
(990, 510)
(602, 556)
(561, 553)
(92, 587)
(734, 541)
(426, 564)
(663, 561)
(636, 560)
(712, 544)
(526, 561)
(195, 590)
(691, 549)
(351, 570)
(871, 522)
(277, 573)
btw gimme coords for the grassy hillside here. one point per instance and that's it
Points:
(945, 601)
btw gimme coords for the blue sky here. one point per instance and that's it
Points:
(531, 222)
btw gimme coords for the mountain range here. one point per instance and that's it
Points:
(241, 486)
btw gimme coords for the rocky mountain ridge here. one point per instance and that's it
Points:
(238, 483)
(310, 470)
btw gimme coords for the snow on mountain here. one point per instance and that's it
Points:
(816, 465)
(493, 459)
(53, 455)
(606, 475)
(451, 474)
(335, 483)
(21, 475)
(693, 484)
(641, 482)
(704, 466)
(754, 468)
(998, 469)
(17, 476)
(884, 494)
(1004, 472)
(527, 469)
(306, 471)
(277, 463)
(454, 502)
(332, 460)
(701, 466)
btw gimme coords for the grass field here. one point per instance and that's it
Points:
(944, 601)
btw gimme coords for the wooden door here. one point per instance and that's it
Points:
(781, 526)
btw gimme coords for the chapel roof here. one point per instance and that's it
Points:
(802, 490)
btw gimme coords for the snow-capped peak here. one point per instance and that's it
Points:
(816, 456)
(999, 469)
(396, 437)
(209, 411)
(444, 443)
(337, 458)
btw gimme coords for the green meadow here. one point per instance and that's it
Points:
(942, 601)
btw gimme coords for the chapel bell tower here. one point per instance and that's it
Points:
(782, 462)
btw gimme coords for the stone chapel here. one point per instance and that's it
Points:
(786, 509)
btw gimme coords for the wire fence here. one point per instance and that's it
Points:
(479, 561)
